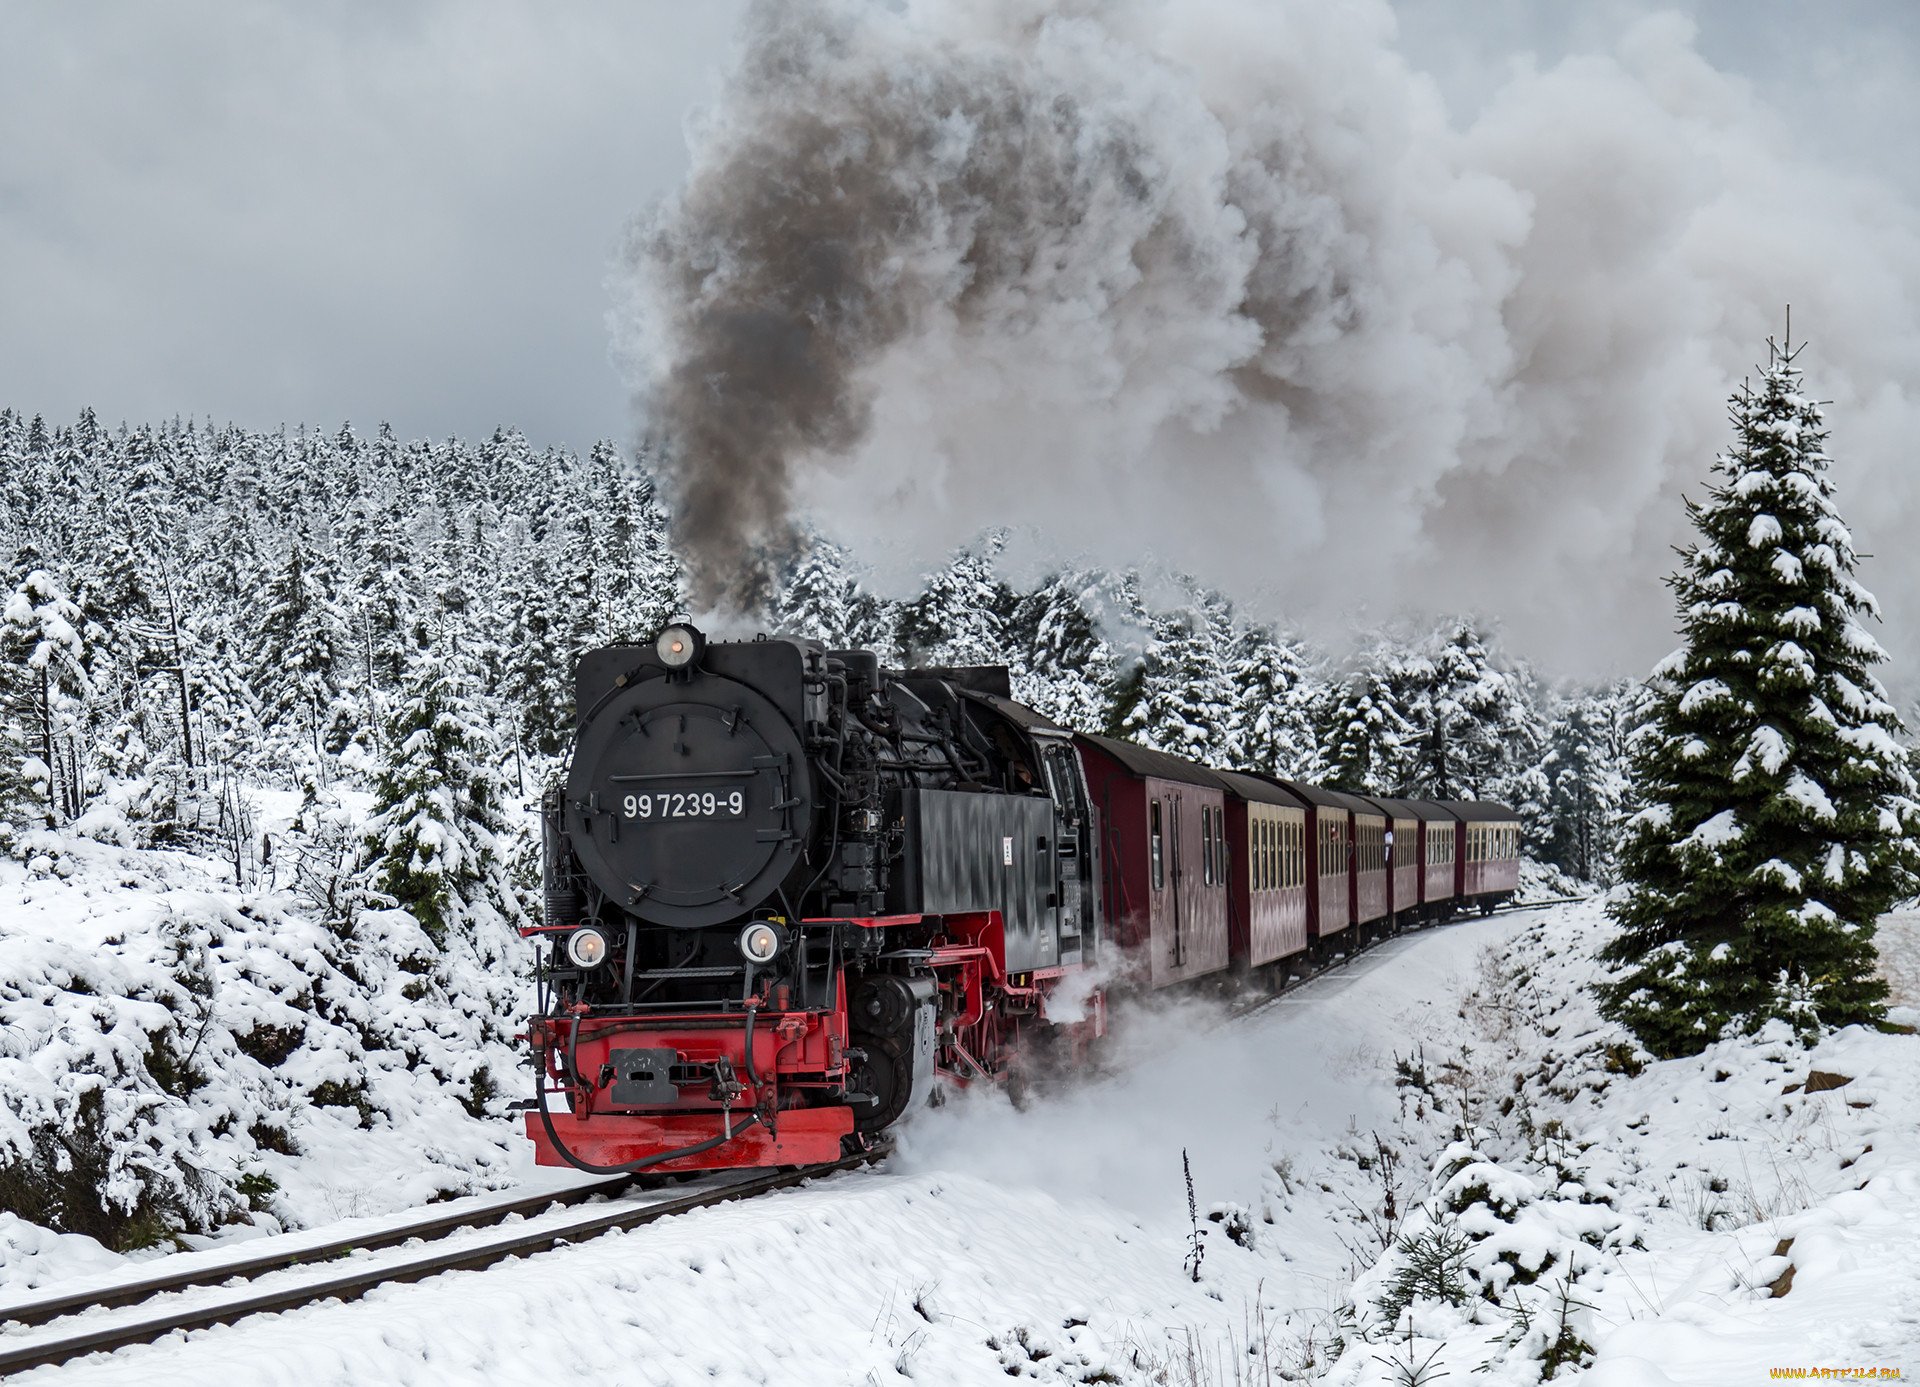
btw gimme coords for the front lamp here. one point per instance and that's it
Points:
(587, 948)
(678, 646)
(760, 942)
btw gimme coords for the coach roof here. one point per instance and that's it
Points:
(1260, 790)
(1332, 799)
(1158, 764)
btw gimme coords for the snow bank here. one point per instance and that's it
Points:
(181, 1058)
(1632, 1222)
(1439, 1154)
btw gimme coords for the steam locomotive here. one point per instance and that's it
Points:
(786, 891)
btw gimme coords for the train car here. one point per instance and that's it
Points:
(1163, 823)
(1403, 857)
(1266, 871)
(1488, 870)
(1329, 830)
(1436, 853)
(788, 890)
(1371, 899)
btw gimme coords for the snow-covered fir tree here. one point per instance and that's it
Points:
(43, 661)
(817, 598)
(1364, 743)
(1271, 728)
(960, 617)
(1584, 773)
(440, 804)
(1061, 663)
(1474, 721)
(298, 651)
(1183, 698)
(1775, 805)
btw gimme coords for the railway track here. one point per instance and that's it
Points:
(57, 1329)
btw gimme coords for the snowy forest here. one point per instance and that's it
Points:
(194, 610)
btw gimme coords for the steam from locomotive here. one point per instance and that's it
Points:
(1213, 280)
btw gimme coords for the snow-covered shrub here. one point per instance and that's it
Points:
(170, 1049)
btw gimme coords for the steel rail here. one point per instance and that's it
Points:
(48, 1308)
(23, 1353)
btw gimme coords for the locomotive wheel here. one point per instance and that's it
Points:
(887, 1074)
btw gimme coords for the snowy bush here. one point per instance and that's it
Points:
(170, 1046)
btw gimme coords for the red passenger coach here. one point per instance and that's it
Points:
(1402, 855)
(1437, 850)
(1329, 843)
(1371, 897)
(1266, 870)
(1488, 870)
(1164, 824)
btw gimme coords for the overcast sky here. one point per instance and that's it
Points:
(405, 211)
(408, 211)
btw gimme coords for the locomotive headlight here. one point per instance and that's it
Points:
(587, 948)
(678, 646)
(760, 941)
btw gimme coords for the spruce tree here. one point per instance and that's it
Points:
(299, 650)
(959, 618)
(440, 802)
(1364, 742)
(816, 597)
(1585, 778)
(1776, 806)
(1062, 665)
(1474, 725)
(44, 694)
(1184, 700)
(1271, 728)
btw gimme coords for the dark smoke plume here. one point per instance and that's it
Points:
(1220, 282)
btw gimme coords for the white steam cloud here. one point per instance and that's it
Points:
(1220, 283)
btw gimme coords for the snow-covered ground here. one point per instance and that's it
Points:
(216, 1059)
(1453, 1079)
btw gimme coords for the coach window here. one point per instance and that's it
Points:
(1220, 845)
(1155, 858)
(1206, 845)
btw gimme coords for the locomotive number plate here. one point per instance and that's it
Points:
(688, 804)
